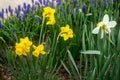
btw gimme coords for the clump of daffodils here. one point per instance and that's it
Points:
(66, 32)
(105, 26)
(23, 47)
(48, 12)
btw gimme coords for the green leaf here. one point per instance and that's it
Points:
(2, 39)
(65, 67)
(90, 52)
(73, 62)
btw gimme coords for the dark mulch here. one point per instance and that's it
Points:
(5, 73)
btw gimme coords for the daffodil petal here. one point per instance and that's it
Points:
(111, 24)
(96, 30)
(106, 19)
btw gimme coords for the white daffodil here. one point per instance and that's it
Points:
(105, 26)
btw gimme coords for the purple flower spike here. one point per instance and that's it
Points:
(1, 14)
(39, 19)
(17, 12)
(60, 8)
(11, 12)
(40, 1)
(32, 1)
(19, 8)
(23, 17)
(37, 3)
(24, 5)
(1, 26)
(2, 10)
(33, 15)
(77, 7)
(58, 2)
(6, 11)
(75, 1)
(84, 7)
(28, 8)
(9, 8)
(33, 8)
(46, 3)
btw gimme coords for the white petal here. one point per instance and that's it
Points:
(96, 30)
(111, 24)
(88, 14)
(106, 18)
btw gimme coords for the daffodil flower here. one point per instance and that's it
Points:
(23, 47)
(66, 32)
(105, 26)
(38, 50)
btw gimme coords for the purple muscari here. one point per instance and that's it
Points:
(33, 8)
(23, 17)
(52, 5)
(46, 3)
(9, 8)
(17, 12)
(28, 8)
(19, 8)
(75, 1)
(58, 2)
(40, 1)
(2, 10)
(37, 3)
(6, 11)
(84, 7)
(1, 14)
(39, 19)
(60, 8)
(24, 5)
(11, 12)
(1, 26)
(77, 7)
(32, 1)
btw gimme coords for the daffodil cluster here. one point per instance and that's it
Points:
(66, 32)
(49, 13)
(24, 46)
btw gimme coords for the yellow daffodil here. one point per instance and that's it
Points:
(38, 50)
(105, 26)
(49, 13)
(51, 20)
(66, 32)
(23, 47)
